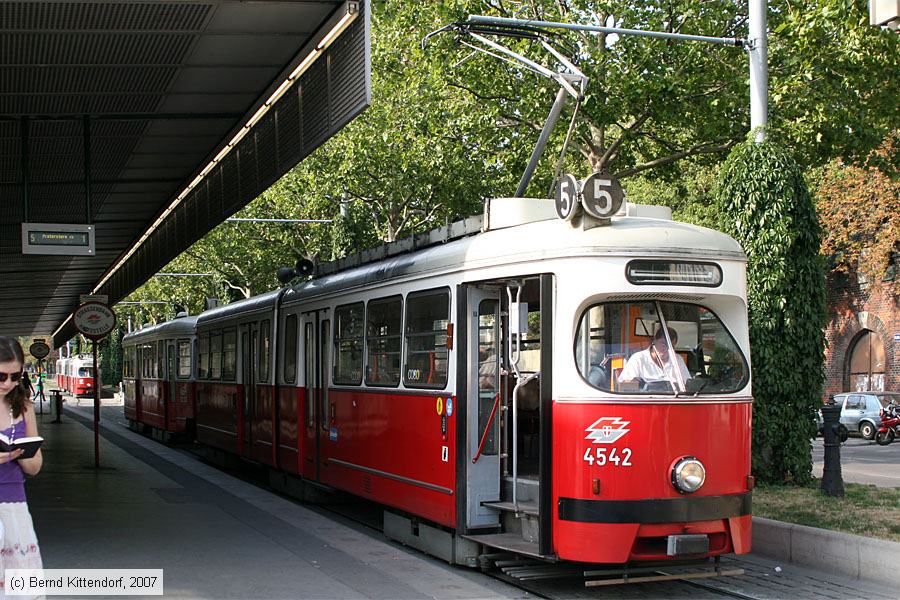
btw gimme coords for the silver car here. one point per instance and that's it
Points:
(861, 411)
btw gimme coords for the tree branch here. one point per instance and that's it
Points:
(666, 160)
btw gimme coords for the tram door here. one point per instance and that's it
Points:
(316, 361)
(484, 411)
(249, 374)
(171, 410)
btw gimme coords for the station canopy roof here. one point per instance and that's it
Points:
(152, 122)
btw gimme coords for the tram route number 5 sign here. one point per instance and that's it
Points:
(599, 195)
(94, 320)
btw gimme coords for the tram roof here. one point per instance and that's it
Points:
(428, 254)
(626, 236)
(176, 327)
(110, 111)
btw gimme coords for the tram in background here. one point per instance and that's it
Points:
(76, 375)
(158, 378)
(472, 382)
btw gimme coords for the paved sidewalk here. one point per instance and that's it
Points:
(215, 536)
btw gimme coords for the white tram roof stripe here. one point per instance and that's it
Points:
(628, 236)
(180, 327)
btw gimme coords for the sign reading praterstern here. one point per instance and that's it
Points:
(94, 320)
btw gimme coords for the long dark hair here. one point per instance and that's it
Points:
(11, 351)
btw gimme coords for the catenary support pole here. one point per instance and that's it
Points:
(759, 70)
(96, 408)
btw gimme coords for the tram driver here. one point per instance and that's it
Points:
(656, 367)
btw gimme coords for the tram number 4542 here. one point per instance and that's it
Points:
(608, 456)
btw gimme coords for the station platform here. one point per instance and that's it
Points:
(215, 536)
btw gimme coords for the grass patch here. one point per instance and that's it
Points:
(864, 510)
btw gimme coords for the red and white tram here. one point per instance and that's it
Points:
(483, 389)
(78, 377)
(158, 377)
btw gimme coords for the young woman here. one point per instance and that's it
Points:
(19, 547)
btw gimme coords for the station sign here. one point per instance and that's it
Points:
(58, 239)
(101, 298)
(94, 320)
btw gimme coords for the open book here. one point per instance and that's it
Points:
(29, 444)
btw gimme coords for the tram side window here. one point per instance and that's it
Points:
(229, 354)
(184, 359)
(383, 342)
(215, 356)
(620, 347)
(265, 349)
(203, 356)
(427, 317)
(348, 342)
(128, 363)
(290, 349)
(146, 361)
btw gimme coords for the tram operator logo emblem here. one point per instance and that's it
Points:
(607, 430)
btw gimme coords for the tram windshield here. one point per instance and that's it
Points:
(658, 348)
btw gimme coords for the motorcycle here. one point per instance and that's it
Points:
(890, 425)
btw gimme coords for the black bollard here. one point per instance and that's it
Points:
(832, 482)
(56, 398)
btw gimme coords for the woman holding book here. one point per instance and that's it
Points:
(19, 548)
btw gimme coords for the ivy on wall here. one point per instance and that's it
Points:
(769, 210)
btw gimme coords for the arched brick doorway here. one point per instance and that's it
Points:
(866, 367)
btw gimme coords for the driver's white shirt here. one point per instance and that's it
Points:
(642, 366)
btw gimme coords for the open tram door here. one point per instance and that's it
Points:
(484, 414)
(508, 426)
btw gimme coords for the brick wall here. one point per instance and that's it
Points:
(854, 308)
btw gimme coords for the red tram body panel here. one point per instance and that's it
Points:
(389, 448)
(633, 440)
(218, 416)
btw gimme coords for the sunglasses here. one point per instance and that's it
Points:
(12, 376)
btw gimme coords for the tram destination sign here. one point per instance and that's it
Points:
(58, 238)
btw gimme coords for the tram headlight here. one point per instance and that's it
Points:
(688, 475)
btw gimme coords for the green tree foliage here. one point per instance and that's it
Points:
(833, 78)
(769, 210)
(110, 356)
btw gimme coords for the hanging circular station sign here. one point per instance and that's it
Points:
(39, 350)
(94, 320)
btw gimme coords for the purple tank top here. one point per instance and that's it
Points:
(12, 480)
